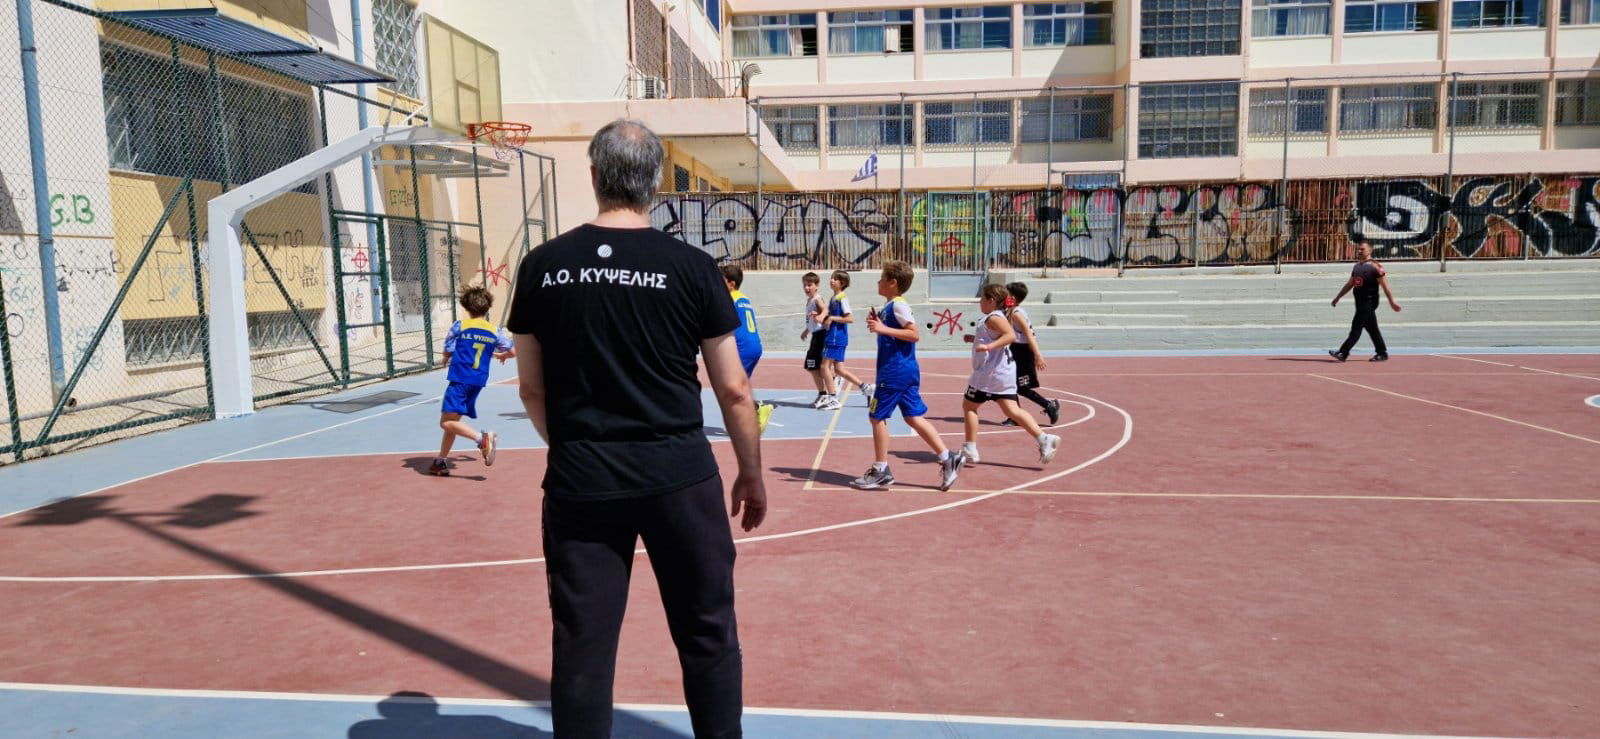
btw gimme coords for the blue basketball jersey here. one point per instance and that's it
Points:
(745, 335)
(472, 343)
(838, 333)
(897, 358)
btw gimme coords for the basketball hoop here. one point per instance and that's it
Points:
(505, 136)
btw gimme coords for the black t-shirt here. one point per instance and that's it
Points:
(619, 315)
(1366, 276)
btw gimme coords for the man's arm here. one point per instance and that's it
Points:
(1348, 284)
(1383, 282)
(530, 379)
(732, 388)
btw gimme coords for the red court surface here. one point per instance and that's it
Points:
(1410, 547)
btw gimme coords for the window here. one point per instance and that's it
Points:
(794, 34)
(1497, 105)
(870, 32)
(1496, 13)
(985, 27)
(1188, 120)
(1290, 18)
(1307, 111)
(1074, 118)
(869, 126)
(1387, 108)
(1580, 12)
(1578, 103)
(1067, 24)
(794, 127)
(985, 122)
(713, 11)
(680, 179)
(148, 129)
(1173, 28)
(394, 30)
(1374, 16)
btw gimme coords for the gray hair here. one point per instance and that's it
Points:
(626, 156)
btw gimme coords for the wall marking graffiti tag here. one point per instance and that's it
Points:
(945, 318)
(494, 275)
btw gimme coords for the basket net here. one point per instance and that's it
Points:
(505, 136)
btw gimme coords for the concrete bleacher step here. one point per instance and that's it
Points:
(1316, 311)
(1320, 336)
(1305, 287)
(1111, 296)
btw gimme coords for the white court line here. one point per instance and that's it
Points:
(221, 456)
(1284, 496)
(827, 436)
(947, 718)
(1127, 434)
(1562, 374)
(1459, 408)
(1472, 359)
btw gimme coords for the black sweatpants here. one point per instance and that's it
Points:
(588, 548)
(1366, 318)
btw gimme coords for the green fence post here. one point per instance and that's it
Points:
(338, 258)
(383, 289)
(11, 382)
(422, 253)
(201, 310)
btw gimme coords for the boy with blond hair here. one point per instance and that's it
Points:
(899, 383)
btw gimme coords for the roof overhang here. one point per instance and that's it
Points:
(208, 28)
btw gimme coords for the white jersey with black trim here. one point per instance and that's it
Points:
(993, 371)
(1022, 337)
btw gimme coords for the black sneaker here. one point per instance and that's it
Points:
(874, 479)
(1008, 422)
(439, 468)
(1379, 358)
(949, 468)
(1053, 411)
(1336, 355)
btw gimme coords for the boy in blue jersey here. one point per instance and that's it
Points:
(745, 336)
(899, 383)
(468, 347)
(837, 325)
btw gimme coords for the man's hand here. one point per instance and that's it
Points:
(749, 496)
(1395, 306)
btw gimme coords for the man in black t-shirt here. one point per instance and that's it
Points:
(607, 320)
(1365, 279)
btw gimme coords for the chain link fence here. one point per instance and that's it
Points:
(108, 335)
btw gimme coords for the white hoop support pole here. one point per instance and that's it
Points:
(230, 336)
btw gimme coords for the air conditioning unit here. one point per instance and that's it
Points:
(652, 88)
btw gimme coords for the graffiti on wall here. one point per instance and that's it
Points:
(1486, 216)
(1147, 225)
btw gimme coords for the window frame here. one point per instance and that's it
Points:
(882, 117)
(394, 42)
(983, 121)
(1074, 113)
(783, 122)
(793, 27)
(1586, 99)
(1084, 13)
(1304, 99)
(1190, 115)
(1502, 103)
(933, 35)
(1591, 13)
(1349, 99)
(1263, 12)
(1460, 21)
(1414, 17)
(906, 40)
(1167, 28)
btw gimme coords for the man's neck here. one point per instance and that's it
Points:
(621, 218)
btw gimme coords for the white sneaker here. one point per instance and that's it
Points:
(969, 452)
(1047, 447)
(867, 388)
(829, 403)
(821, 398)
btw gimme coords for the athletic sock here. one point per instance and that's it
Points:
(944, 455)
(880, 466)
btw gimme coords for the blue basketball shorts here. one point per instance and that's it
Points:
(461, 398)
(886, 398)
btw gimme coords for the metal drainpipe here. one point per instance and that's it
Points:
(41, 196)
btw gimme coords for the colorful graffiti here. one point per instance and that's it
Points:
(1148, 225)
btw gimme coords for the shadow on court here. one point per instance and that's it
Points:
(412, 715)
(420, 466)
(1322, 360)
(824, 476)
(217, 510)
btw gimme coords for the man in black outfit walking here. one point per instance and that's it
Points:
(1365, 279)
(607, 320)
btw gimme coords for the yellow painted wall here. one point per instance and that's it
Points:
(676, 157)
(286, 17)
(289, 229)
